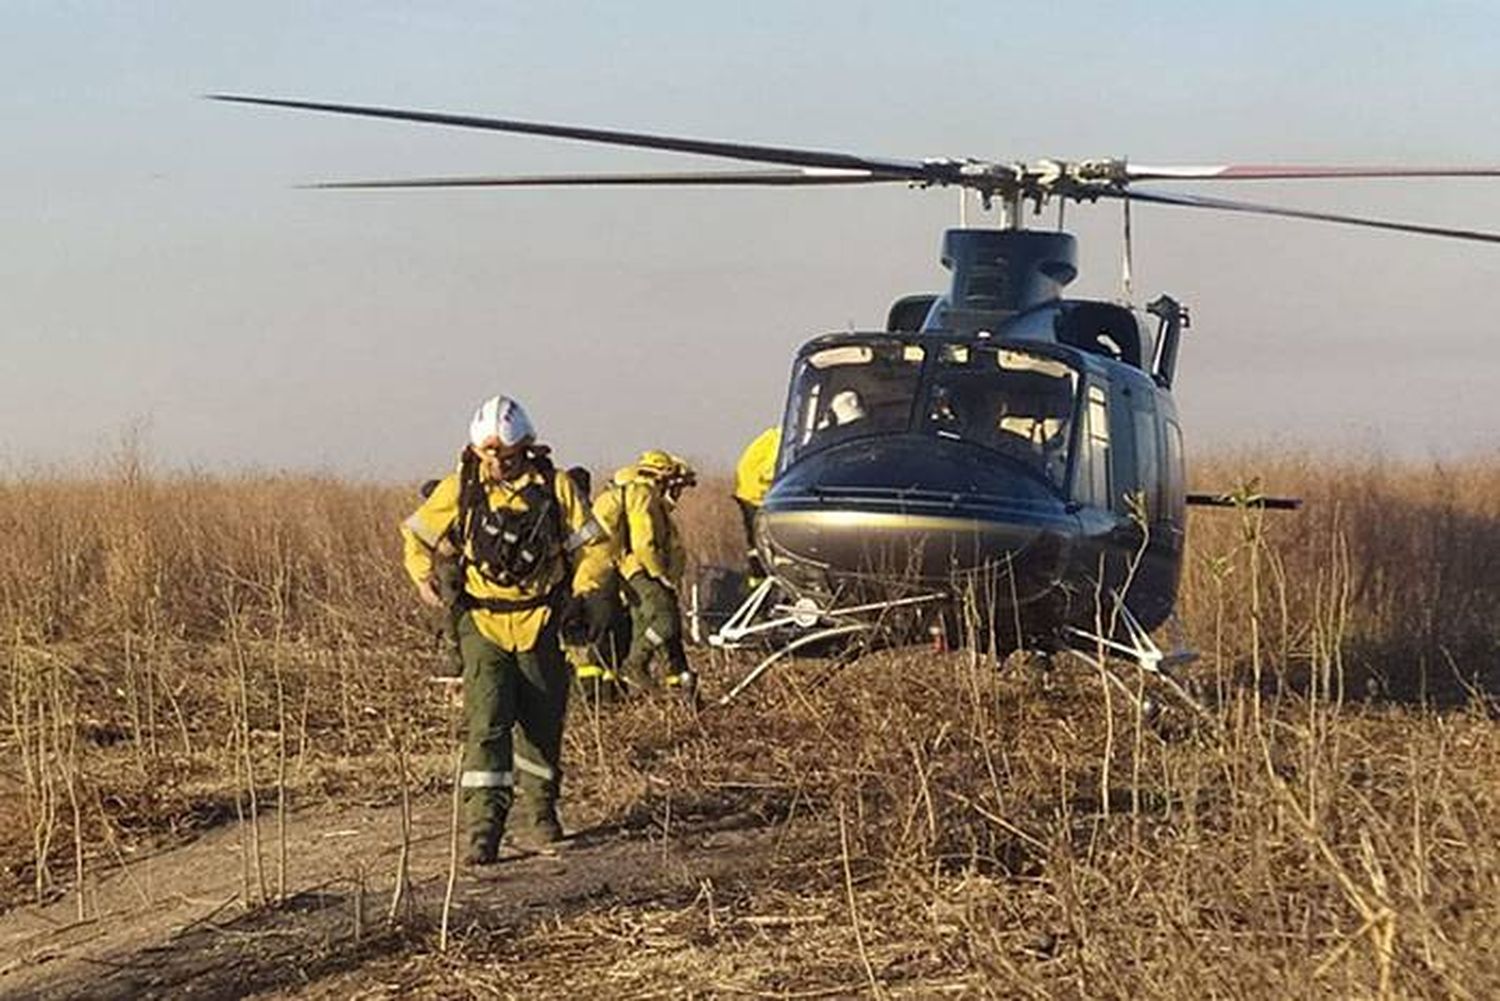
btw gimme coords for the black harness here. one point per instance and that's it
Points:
(510, 548)
(626, 546)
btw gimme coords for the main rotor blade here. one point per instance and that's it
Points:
(1225, 205)
(912, 169)
(1273, 172)
(772, 178)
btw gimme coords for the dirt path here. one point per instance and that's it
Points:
(173, 925)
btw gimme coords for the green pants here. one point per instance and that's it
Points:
(514, 705)
(655, 624)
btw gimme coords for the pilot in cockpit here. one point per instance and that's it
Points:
(844, 409)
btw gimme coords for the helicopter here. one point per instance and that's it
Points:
(999, 455)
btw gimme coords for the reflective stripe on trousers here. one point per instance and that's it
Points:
(535, 768)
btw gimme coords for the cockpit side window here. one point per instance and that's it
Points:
(848, 391)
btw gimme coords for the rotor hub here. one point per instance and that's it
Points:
(1038, 181)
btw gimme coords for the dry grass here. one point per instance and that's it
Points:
(1389, 573)
(979, 857)
(946, 825)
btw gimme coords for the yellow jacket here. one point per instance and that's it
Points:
(757, 467)
(642, 536)
(515, 631)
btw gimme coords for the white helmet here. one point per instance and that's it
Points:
(846, 407)
(503, 418)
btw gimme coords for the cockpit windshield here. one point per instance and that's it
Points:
(1013, 402)
(851, 390)
(1009, 400)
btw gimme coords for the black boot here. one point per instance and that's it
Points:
(542, 834)
(484, 849)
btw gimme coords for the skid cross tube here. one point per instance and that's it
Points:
(765, 665)
(804, 614)
(739, 625)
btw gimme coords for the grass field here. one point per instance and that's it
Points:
(186, 652)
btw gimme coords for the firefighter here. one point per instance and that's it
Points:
(532, 556)
(592, 660)
(753, 474)
(646, 547)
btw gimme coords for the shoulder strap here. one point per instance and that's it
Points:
(471, 495)
(549, 483)
(625, 544)
(544, 495)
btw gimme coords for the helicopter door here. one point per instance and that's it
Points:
(1152, 532)
(1108, 487)
(1143, 493)
(1174, 481)
(1130, 448)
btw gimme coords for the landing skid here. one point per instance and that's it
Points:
(1139, 648)
(762, 617)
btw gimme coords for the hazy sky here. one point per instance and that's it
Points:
(158, 267)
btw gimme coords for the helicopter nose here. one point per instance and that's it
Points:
(915, 507)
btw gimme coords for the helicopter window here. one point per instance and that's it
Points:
(850, 391)
(853, 354)
(1101, 328)
(1010, 401)
(1092, 477)
(1098, 416)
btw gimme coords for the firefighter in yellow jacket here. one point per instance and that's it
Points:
(753, 474)
(533, 555)
(592, 657)
(647, 548)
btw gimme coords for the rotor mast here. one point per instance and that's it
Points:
(1011, 216)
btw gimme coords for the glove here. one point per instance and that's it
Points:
(598, 612)
(574, 622)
